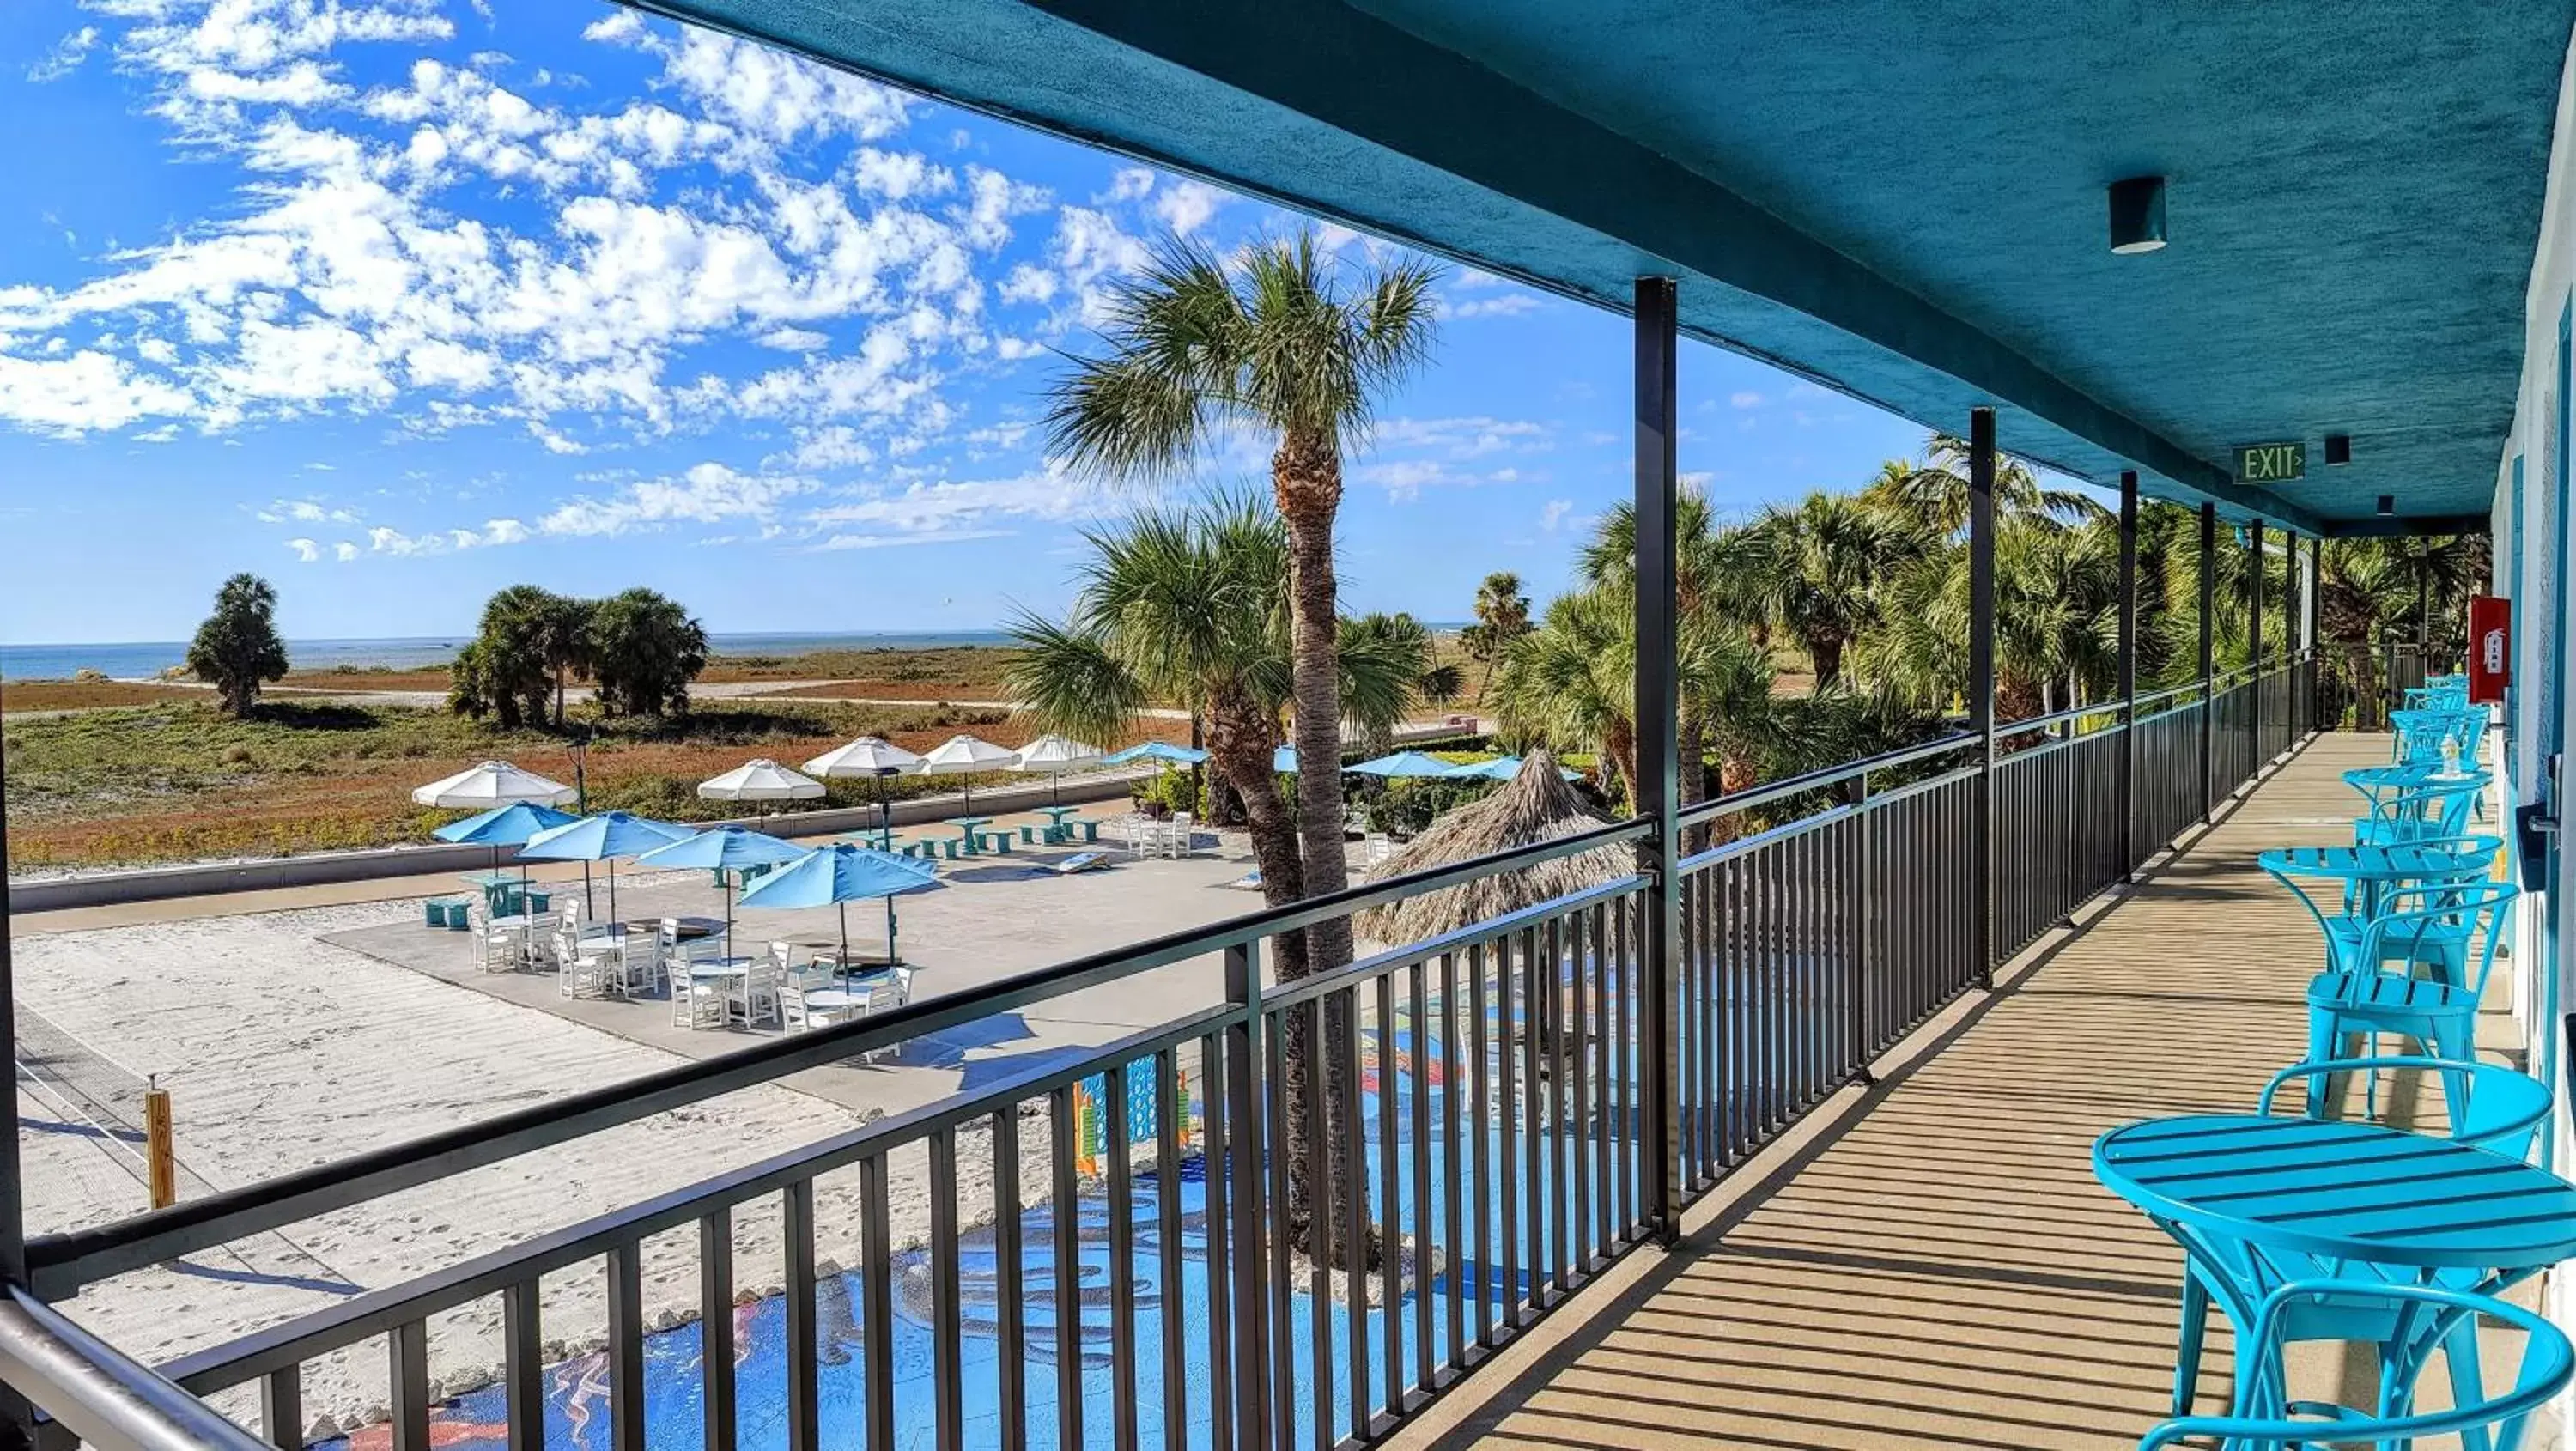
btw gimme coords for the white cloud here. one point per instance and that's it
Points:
(617, 27)
(1463, 437)
(896, 541)
(65, 57)
(84, 391)
(1186, 206)
(305, 549)
(344, 551)
(1744, 399)
(794, 340)
(1553, 512)
(948, 506)
(1509, 304)
(705, 494)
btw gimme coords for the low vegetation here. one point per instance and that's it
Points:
(179, 780)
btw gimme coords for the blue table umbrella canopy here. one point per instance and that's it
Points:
(1403, 764)
(1163, 751)
(729, 848)
(603, 838)
(513, 825)
(1500, 768)
(840, 874)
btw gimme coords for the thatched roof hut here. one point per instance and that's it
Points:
(1535, 806)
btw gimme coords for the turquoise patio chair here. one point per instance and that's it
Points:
(2420, 813)
(2423, 1315)
(2450, 928)
(2504, 1112)
(2420, 734)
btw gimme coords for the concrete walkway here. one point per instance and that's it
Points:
(1931, 1264)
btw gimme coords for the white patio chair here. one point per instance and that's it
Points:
(695, 1005)
(578, 973)
(644, 959)
(902, 983)
(1183, 840)
(756, 1000)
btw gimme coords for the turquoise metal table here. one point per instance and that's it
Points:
(2256, 1202)
(2367, 871)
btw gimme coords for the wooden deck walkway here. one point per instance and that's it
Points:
(1936, 1266)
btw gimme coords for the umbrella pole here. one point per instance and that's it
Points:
(590, 908)
(893, 958)
(612, 889)
(842, 962)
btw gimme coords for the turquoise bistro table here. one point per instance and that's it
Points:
(2255, 1202)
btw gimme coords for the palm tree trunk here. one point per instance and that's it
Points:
(1306, 480)
(1693, 743)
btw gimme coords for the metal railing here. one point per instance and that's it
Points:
(1289, 1217)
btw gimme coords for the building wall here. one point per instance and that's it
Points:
(2532, 548)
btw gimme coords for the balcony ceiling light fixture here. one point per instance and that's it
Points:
(2138, 215)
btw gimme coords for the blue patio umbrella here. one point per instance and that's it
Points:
(1155, 751)
(1500, 768)
(603, 838)
(729, 849)
(1403, 764)
(513, 825)
(841, 874)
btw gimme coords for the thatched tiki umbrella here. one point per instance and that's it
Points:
(1534, 806)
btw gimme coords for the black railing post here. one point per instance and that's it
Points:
(1981, 678)
(2208, 675)
(1248, 1257)
(1658, 754)
(2128, 674)
(2254, 633)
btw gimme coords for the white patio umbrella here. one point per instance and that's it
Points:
(761, 780)
(963, 755)
(493, 783)
(868, 756)
(1052, 756)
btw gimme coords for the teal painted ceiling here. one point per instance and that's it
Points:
(1902, 200)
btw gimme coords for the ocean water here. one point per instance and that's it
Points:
(146, 658)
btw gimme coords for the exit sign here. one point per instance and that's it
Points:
(2271, 463)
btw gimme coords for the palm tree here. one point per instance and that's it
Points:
(1572, 683)
(1190, 605)
(1285, 341)
(1502, 616)
(1819, 563)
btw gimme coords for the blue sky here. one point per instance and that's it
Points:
(400, 301)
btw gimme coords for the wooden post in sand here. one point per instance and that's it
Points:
(160, 1160)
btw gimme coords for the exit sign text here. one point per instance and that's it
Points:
(2271, 463)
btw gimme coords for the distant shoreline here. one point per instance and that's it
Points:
(146, 659)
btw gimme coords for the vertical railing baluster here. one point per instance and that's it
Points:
(626, 1347)
(1391, 1091)
(715, 1331)
(1011, 1285)
(1064, 1222)
(1282, 1334)
(1507, 1130)
(1533, 1025)
(1485, 1200)
(1354, 1184)
(407, 1358)
(1168, 1262)
(281, 1408)
(947, 1314)
(1235, 1210)
(1319, 1223)
(1417, 984)
(876, 1285)
(1117, 1118)
(1454, 1079)
(804, 1344)
(1218, 1164)
(1560, 1131)
(1577, 1131)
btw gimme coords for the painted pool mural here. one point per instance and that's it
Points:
(576, 1397)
